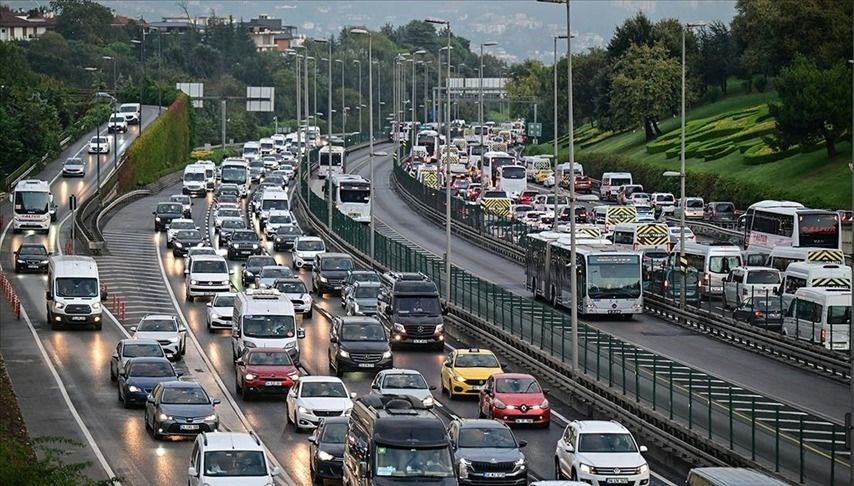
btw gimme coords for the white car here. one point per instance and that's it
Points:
(600, 452)
(176, 225)
(73, 166)
(219, 311)
(207, 276)
(639, 199)
(271, 163)
(196, 251)
(233, 458)
(662, 199)
(131, 112)
(315, 397)
(305, 249)
(225, 212)
(275, 219)
(166, 330)
(117, 123)
(674, 234)
(397, 381)
(99, 145)
(744, 282)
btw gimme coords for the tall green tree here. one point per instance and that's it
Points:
(814, 104)
(644, 85)
(634, 31)
(717, 55)
(83, 20)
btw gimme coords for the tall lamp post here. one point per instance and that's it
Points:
(359, 106)
(94, 72)
(370, 125)
(554, 102)
(447, 25)
(480, 89)
(426, 63)
(329, 127)
(116, 109)
(556, 187)
(141, 44)
(343, 110)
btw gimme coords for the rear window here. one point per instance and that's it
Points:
(724, 207)
(763, 277)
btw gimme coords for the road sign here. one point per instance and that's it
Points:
(535, 129)
(260, 98)
(193, 90)
(72, 202)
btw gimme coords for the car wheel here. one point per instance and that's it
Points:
(113, 376)
(189, 297)
(480, 413)
(558, 473)
(339, 371)
(309, 314)
(145, 421)
(451, 391)
(125, 402)
(573, 475)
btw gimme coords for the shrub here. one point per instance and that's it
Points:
(713, 93)
(760, 82)
(748, 85)
(762, 153)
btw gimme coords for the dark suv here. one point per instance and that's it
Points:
(719, 212)
(243, 243)
(358, 343)
(165, 212)
(329, 272)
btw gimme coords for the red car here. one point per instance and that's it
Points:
(263, 371)
(515, 398)
(583, 184)
(527, 197)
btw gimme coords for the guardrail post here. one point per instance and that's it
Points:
(610, 362)
(690, 400)
(623, 356)
(801, 447)
(832, 453)
(753, 428)
(654, 380)
(598, 352)
(670, 381)
(730, 416)
(637, 378)
(776, 440)
(586, 342)
(709, 393)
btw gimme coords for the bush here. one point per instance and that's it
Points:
(760, 83)
(748, 85)
(713, 93)
(762, 153)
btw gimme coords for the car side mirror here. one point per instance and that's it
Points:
(275, 471)
(231, 272)
(643, 448)
(133, 328)
(522, 443)
(239, 362)
(432, 387)
(191, 471)
(16, 253)
(182, 329)
(209, 304)
(154, 213)
(300, 333)
(446, 364)
(353, 395)
(445, 309)
(313, 439)
(569, 448)
(333, 339)
(179, 374)
(216, 401)
(186, 271)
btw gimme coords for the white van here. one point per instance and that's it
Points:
(195, 180)
(73, 291)
(806, 274)
(264, 318)
(821, 316)
(534, 164)
(611, 182)
(744, 282)
(251, 151)
(210, 173)
(783, 256)
(268, 146)
(641, 236)
(714, 262)
(272, 199)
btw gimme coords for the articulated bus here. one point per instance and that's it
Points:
(770, 224)
(609, 281)
(332, 161)
(352, 196)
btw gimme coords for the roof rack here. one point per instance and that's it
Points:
(254, 436)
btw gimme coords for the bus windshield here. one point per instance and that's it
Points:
(324, 159)
(354, 194)
(31, 202)
(613, 276)
(818, 230)
(233, 175)
(514, 172)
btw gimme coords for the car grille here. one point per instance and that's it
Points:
(366, 357)
(77, 309)
(417, 331)
(475, 382)
(164, 342)
(481, 467)
(327, 413)
(616, 471)
(210, 284)
(297, 302)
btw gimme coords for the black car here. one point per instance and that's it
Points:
(179, 408)
(484, 447)
(31, 257)
(244, 243)
(186, 239)
(329, 272)
(139, 376)
(253, 267)
(229, 226)
(165, 213)
(358, 343)
(326, 452)
(285, 237)
(765, 312)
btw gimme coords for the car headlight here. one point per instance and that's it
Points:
(344, 354)
(459, 379)
(387, 354)
(464, 468)
(59, 306)
(644, 468)
(399, 327)
(133, 389)
(163, 416)
(173, 340)
(324, 279)
(249, 376)
(290, 345)
(427, 402)
(255, 246)
(439, 328)
(499, 404)
(20, 261)
(178, 244)
(157, 218)
(211, 418)
(43, 262)
(234, 245)
(304, 411)
(294, 376)
(325, 456)
(520, 463)
(545, 404)
(279, 239)
(193, 282)
(96, 306)
(306, 299)
(586, 468)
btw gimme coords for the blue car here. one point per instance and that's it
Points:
(140, 375)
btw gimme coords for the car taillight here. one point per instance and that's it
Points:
(759, 314)
(823, 335)
(745, 291)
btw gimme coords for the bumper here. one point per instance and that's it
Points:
(30, 267)
(136, 397)
(283, 245)
(466, 388)
(206, 290)
(73, 173)
(333, 469)
(117, 129)
(301, 307)
(330, 286)
(603, 480)
(517, 417)
(183, 427)
(31, 224)
(403, 338)
(509, 479)
(171, 350)
(195, 191)
(309, 421)
(219, 322)
(243, 252)
(279, 386)
(348, 364)
(299, 262)
(77, 319)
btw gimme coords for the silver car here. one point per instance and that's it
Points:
(361, 300)
(397, 381)
(219, 311)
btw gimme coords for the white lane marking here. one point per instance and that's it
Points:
(88, 435)
(213, 372)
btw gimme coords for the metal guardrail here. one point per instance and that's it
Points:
(123, 199)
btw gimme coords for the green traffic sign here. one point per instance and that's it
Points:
(535, 129)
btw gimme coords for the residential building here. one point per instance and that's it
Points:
(17, 26)
(269, 34)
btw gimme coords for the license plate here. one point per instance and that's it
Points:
(366, 365)
(189, 427)
(524, 420)
(476, 387)
(494, 475)
(614, 311)
(78, 318)
(273, 383)
(421, 341)
(32, 266)
(617, 481)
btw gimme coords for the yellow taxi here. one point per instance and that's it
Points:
(466, 370)
(541, 175)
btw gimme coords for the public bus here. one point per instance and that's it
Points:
(609, 282)
(352, 196)
(332, 161)
(511, 179)
(32, 206)
(236, 171)
(489, 164)
(429, 139)
(770, 224)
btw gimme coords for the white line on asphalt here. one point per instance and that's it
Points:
(213, 371)
(88, 435)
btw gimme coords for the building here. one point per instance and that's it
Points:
(269, 34)
(21, 26)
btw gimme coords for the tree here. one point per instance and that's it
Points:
(645, 83)
(590, 84)
(637, 30)
(814, 104)
(83, 20)
(717, 55)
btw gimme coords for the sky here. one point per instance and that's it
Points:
(523, 29)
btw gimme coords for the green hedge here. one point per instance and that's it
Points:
(762, 153)
(162, 148)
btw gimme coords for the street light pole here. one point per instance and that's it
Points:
(573, 280)
(94, 72)
(554, 122)
(343, 110)
(426, 63)
(329, 129)
(480, 89)
(141, 44)
(370, 130)
(359, 108)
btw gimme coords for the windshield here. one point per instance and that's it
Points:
(101, 140)
(310, 245)
(234, 175)
(514, 172)
(270, 358)
(234, 224)
(613, 276)
(723, 264)
(169, 208)
(323, 389)
(228, 213)
(407, 381)
(210, 266)
(117, 119)
(153, 370)
(280, 219)
(694, 203)
(142, 351)
(763, 277)
(189, 235)
(606, 443)
(244, 236)
(276, 272)
(194, 176)
(819, 230)
(157, 325)
(76, 287)
(483, 437)
(73, 161)
(268, 326)
(275, 180)
(472, 360)
(363, 331)
(406, 462)
(366, 292)
(517, 385)
(618, 181)
(185, 396)
(336, 264)
(334, 433)
(357, 195)
(30, 202)
(418, 305)
(288, 230)
(724, 208)
(274, 204)
(180, 199)
(128, 109)
(235, 463)
(257, 262)
(291, 287)
(32, 251)
(223, 301)
(250, 150)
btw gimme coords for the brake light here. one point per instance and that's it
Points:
(666, 284)
(759, 314)
(823, 336)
